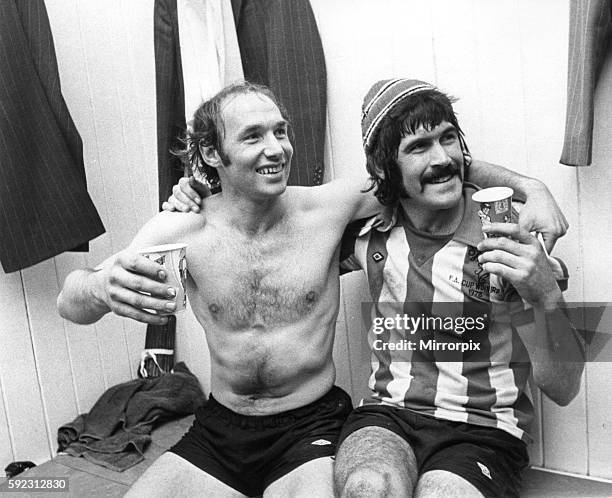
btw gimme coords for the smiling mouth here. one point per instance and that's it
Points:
(441, 179)
(270, 170)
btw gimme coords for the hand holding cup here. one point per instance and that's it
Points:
(171, 257)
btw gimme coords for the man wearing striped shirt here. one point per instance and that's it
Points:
(458, 321)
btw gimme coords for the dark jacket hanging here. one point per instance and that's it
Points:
(589, 33)
(170, 94)
(280, 47)
(44, 205)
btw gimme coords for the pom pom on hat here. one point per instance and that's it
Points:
(382, 97)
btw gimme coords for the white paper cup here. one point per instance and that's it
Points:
(495, 204)
(172, 258)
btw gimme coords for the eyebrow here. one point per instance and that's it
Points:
(416, 140)
(257, 127)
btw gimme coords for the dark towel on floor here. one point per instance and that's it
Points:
(117, 430)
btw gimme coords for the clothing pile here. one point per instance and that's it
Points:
(116, 432)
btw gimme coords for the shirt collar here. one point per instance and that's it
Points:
(468, 232)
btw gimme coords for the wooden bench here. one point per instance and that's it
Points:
(87, 479)
(92, 481)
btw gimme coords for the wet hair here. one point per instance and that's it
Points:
(207, 129)
(427, 108)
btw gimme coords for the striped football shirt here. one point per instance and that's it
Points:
(416, 274)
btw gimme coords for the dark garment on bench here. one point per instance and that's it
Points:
(117, 430)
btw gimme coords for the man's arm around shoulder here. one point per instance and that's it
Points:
(119, 284)
(347, 198)
(540, 213)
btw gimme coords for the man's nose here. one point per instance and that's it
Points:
(272, 146)
(439, 156)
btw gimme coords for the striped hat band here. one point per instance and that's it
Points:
(382, 97)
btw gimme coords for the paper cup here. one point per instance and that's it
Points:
(172, 258)
(495, 204)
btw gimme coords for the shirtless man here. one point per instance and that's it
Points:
(265, 290)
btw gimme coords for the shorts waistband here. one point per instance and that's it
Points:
(332, 397)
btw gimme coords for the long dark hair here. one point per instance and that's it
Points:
(428, 109)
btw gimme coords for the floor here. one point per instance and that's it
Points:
(88, 480)
(92, 481)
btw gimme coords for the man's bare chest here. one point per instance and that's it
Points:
(247, 282)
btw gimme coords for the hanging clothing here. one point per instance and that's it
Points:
(44, 205)
(170, 95)
(196, 55)
(209, 50)
(589, 33)
(281, 48)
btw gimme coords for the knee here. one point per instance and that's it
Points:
(368, 483)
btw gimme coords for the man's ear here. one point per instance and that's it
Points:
(380, 172)
(375, 167)
(211, 156)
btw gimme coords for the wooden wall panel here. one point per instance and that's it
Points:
(500, 105)
(83, 345)
(455, 54)
(6, 449)
(596, 223)
(21, 395)
(410, 47)
(50, 347)
(71, 24)
(543, 80)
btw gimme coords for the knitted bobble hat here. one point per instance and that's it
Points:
(382, 97)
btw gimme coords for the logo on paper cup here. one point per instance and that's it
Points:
(495, 204)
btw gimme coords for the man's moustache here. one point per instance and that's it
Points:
(451, 169)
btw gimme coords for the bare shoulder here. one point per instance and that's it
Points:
(166, 228)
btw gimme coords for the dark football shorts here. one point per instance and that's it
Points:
(248, 453)
(490, 459)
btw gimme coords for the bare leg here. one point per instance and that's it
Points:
(173, 476)
(375, 462)
(437, 483)
(314, 478)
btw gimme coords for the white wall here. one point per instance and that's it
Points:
(505, 59)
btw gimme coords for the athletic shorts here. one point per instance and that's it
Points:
(248, 453)
(490, 459)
